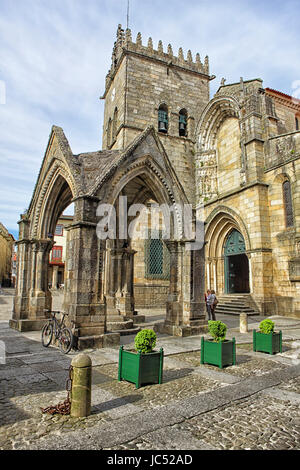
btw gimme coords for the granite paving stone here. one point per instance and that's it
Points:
(252, 405)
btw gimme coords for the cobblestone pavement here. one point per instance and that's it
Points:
(252, 405)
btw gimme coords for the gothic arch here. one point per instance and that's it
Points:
(213, 177)
(54, 195)
(287, 206)
(220, 223)
(157, 183)
(217, 110)
(224, 217)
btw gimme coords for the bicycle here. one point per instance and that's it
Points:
(61, 332)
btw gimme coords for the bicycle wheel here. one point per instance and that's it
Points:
(65, 340)
(47, 334)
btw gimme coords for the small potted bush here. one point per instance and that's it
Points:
(267, 340)
(144, 365)
(218, 351)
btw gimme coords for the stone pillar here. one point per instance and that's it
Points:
(208, 274)
(32, 294)
(120, 297)
(185, 307)
(262, 282)
(174, 306)
(125, 301)
(250, 274)
(20, 306)
(40, 296)
(81, 296)
(54, 276)
(81, 393)
(215, 274)
(243, 323)
(84, 271)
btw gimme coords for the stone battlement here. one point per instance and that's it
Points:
(124, 43)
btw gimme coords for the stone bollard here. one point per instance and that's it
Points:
(243, 323)
(81, 392)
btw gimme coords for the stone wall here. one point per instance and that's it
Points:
(6, 247)
(148, 292)
(287, 109)
(228, 155)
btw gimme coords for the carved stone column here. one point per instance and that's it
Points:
(20, 306)
(83, 280)
(125, 299)
(39, 295)
(54, 277)
(32, 294)
(84, 298)
(185, 307)
(120, 295)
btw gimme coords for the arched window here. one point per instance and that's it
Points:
(182, 123)
(115, 125)
(109, 131)
(163, 119)
(297, 123)
(157, 258)
(288, 204)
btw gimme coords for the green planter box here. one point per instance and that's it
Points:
(218, 354)
(270, 343)
(141, 368)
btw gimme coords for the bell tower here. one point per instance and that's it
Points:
(147, 86)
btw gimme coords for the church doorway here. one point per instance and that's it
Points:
(236, 264)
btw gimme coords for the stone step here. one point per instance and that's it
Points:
(232, 301)
(119, 325)
(229, 297)
(138, 319)
(234, 310)
(129, 331)
(243, 308)
(231, 312)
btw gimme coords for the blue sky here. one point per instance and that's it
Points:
(55, 54)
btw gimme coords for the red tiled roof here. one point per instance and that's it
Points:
(283, 95)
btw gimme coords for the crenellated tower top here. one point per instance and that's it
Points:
(149, 85)
(124, 44)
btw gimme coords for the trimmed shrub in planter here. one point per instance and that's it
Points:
(218, 351)
(266, 340)
(144, 366)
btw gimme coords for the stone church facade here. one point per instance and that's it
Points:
(234, 159)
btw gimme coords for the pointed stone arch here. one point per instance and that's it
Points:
(220, 111)
(220, 223)
(57, 184)
(217, 110)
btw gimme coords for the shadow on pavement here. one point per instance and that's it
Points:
(115, 403)
(169, 375)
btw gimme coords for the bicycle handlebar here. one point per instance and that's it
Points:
(55, 311)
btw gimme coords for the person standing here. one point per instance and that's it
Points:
(208, 300)
(213, 304)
